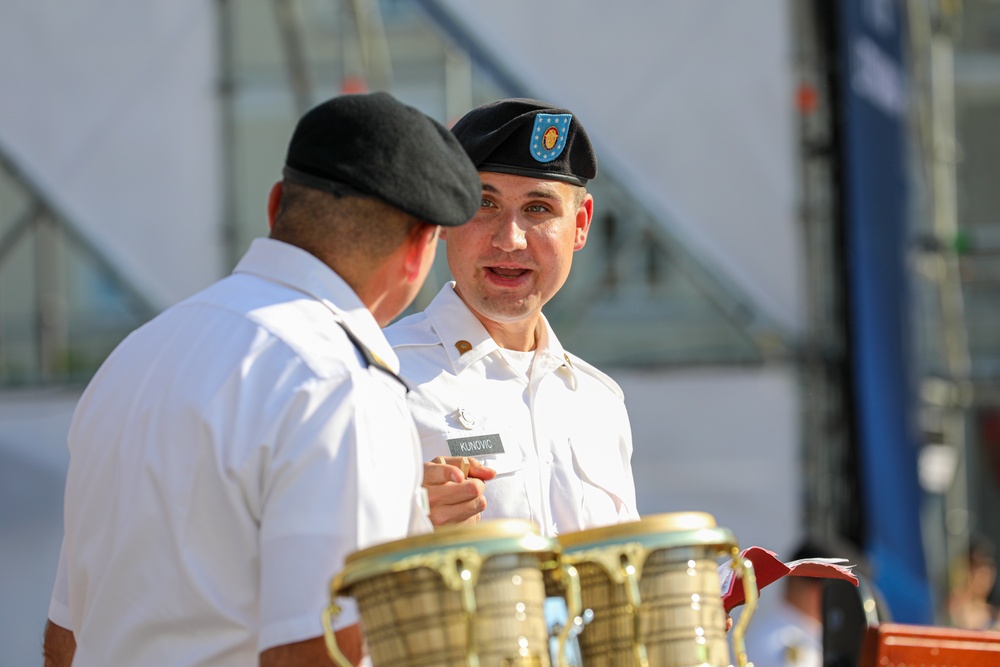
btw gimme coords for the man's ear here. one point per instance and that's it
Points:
(273, 202)
(419, 237)
(584, 215)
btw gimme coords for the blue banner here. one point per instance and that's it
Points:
(874, 97)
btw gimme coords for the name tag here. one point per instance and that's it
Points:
(476, 445)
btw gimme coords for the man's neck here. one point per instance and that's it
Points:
(520, 336)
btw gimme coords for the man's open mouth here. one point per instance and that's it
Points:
(507, 271)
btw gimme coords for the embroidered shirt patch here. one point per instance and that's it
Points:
(548, 137)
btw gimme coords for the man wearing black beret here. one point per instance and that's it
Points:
(229, 454)
(514, 425)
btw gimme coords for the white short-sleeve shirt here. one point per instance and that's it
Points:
(780, 635)
(558, 437)
(224, 460)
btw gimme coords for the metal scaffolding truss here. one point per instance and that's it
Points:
(64, 341)
(641, 296)
(639, 254)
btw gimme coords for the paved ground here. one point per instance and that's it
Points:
(33, 460)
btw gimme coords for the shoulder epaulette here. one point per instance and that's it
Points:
(581, 365)
(411, 330)
(371, 359)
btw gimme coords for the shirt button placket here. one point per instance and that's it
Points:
(543, 452)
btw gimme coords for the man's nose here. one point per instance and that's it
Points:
(509, 235)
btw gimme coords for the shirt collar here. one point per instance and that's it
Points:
(293, 267)
(466, 341)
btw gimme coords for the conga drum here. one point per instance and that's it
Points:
(459, 597)
(653, 589)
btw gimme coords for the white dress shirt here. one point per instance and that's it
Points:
(223, 462)
(558, 436)
(780, 635)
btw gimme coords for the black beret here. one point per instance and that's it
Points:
(527, 137)
(373, 145)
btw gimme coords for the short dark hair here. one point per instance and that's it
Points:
(355, 228)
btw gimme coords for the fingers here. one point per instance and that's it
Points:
(479, 471)
(444, 513)
(439, 472)
(469, 466)
(456, 502)
(454, 497)
(460, 462)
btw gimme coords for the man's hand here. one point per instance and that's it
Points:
(455, 486)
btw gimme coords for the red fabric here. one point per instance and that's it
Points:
(768, 568)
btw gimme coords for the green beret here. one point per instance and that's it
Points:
(527, 137)
(373, 145)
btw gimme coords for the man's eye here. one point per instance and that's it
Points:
(485, 203)
(537, 208)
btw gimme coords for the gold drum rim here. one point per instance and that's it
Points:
(486, 539)
(657, 531)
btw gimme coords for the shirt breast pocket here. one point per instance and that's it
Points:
(604, 481)
(505, 463)
(462, 444)
(434, 445)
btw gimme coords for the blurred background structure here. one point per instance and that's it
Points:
(794, 269)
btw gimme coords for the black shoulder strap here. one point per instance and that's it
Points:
(370, 358)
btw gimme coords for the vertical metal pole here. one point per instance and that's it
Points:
(227, 113)
(945, 158)
(53, 338)
(825, 461)
(374, 45)
(958, 363)
(290, 26)
(457, 84)
(931, 32)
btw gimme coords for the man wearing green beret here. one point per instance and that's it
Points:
(513, 425)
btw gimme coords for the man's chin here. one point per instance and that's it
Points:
(507, 313)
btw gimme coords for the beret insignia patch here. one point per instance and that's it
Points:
(548, 137)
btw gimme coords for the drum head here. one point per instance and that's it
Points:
(657, 531)
(486, 538)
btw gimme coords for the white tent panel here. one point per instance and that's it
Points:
(111, 107)
(721, 441)
(692, 102)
